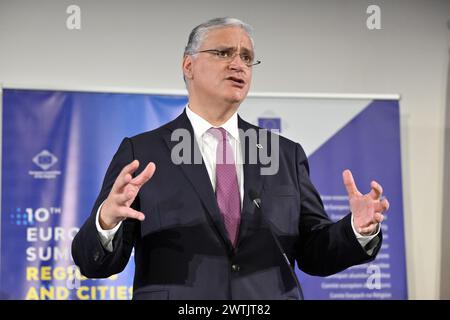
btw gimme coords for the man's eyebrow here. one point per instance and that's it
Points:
(225, 48)
(246, 50)
(243, 49)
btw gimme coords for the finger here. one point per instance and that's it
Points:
(376, 190)
(386, 204)
(130, 213)
(124, 176)
(381, 206)
(145, 175)
(129, 193)
(378, 217)
(367, 231)
(349, 183)
(375, 219)
(367, 223)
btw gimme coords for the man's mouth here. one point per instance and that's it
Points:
(237, 81)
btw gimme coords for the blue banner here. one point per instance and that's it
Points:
(57, 145)
(56, 148)
(368, 145)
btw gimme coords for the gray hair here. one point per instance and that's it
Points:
(199, 33)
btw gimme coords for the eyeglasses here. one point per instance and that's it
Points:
(228, 55)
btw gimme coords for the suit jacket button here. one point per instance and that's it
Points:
(235, 268)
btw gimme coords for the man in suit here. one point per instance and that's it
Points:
(219, 228)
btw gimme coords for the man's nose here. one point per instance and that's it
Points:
(237, 63)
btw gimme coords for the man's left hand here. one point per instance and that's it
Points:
(367, 209)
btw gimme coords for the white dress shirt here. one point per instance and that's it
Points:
(208, 145)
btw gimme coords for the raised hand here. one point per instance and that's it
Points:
(367, 209)
(125, 189)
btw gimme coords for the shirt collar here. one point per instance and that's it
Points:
(200, 125)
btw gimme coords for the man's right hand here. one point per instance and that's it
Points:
(125, 189)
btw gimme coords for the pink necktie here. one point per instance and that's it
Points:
(227, 188)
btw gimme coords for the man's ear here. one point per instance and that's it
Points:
(187, 67)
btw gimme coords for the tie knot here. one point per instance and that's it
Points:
(218, 133)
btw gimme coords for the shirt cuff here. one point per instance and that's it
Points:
(364, 240)
(106, 236)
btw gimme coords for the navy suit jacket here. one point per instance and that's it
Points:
(181, 248)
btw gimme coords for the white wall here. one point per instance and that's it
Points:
(445, 259)
(305, 46)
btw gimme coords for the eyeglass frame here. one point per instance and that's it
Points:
(216, 52)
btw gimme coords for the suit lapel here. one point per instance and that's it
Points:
(197, 175)
(253, 180)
